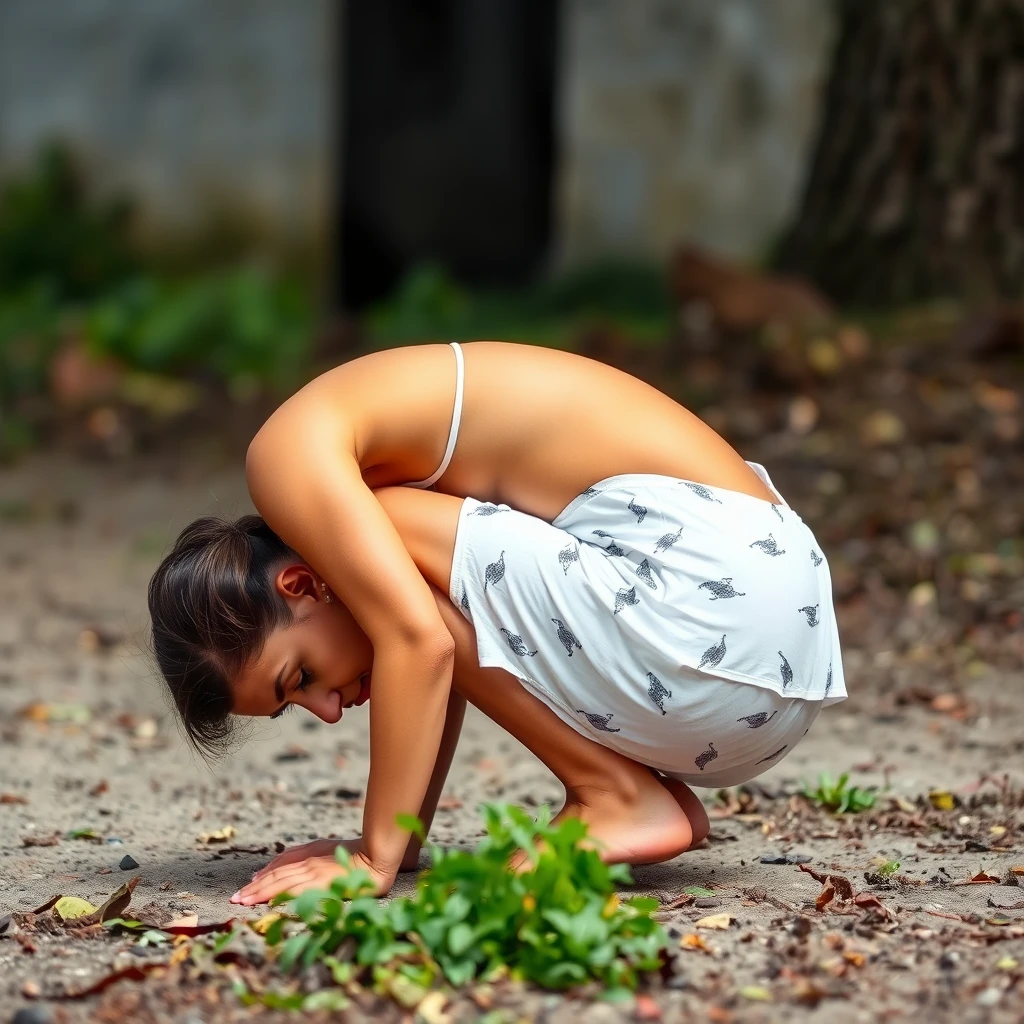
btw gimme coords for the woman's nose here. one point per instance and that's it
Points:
(325, 705)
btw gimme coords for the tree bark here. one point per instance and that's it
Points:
(916, 185)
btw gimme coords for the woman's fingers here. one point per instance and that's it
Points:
(317, 848)
(270, 885)
(293, 878)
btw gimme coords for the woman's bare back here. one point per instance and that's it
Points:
(538, 425)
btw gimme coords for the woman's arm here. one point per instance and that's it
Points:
(306, 482)
(449, 741)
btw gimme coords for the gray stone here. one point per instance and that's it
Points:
(32, 1015)
(128, 862)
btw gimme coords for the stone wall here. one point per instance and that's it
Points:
(200, 107)
(685, 119)
(675, 118)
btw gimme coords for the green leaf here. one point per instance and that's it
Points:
(458, 972)
(460, 938)
(326, 999)
(457, 907)
(293, 949)
(410, 823)
(306, 905)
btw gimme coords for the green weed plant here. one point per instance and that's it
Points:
(559, 923)
(839, 796)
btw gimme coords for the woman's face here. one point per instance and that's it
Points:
(320, 662)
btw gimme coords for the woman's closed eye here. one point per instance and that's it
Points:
(305, 681)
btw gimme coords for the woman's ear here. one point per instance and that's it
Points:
(295, 581)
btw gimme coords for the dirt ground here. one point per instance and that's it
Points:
(88, 743)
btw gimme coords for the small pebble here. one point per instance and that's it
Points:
(32, 1015)
(774, 858)
(128, 863)
(799, 858)
(705, 902)
(30, 990)
(989, 997)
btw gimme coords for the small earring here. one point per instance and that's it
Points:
(327, 597)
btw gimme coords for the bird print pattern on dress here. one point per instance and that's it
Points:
(643, 570)
(566, 637)
(811, 611)
(666, 540)
(599, 721)
(516, 643)
(713, 655)
(705, 757)
(721, 588)
(701, 491)
(638, 510)
(756, 721)
(495, 571)
(625, 597)
(769, 547)
(718, 589)
(569, 554)
(657, 692)
(786, 671)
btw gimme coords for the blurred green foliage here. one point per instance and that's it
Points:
(225, 324)
(69, 271)
(428, 304)
(51, 234)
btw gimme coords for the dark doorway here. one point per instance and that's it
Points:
(447, 141)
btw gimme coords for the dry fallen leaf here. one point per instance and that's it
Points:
(12, 798)
(983, 878)
(431, 1008)
(645, 1008)
(942, 800)
(69, 908)
(718, 921)
(221, 835)
(261, 924)
(826, 896)
(40, 840)
(693, 941)
(185, 921)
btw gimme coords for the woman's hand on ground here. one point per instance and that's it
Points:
(316, 872)
(317, 848)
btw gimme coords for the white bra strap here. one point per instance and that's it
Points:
(453, 434)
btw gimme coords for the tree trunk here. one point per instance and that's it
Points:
(916, 187)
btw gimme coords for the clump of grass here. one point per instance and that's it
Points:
(559, 923)
(838, 796)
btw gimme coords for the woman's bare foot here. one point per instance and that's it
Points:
(663, 820)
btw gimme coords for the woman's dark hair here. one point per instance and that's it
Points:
(213, 606)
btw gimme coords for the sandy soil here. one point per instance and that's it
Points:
(77, 544)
